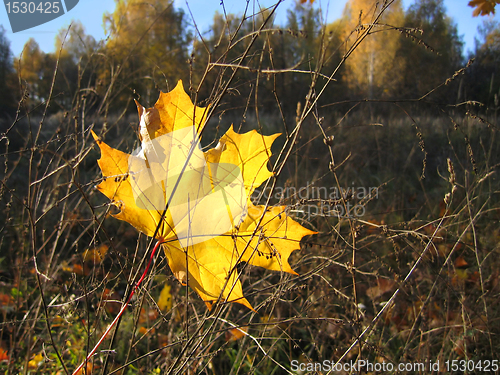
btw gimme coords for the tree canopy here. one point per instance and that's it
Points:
(373, 70)
(7, 103)
(150, 46)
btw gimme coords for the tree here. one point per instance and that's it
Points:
(77, 66)
(30, 70)
(292, 53)
(483, 77)
(302, 48)
(222, 45)
(7, 101)
(433, 55)
(36, 72)
(226, 47)
(304, 25)
(148, 46)
(75, 42)
(373, 70)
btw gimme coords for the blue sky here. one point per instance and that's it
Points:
(90, 13)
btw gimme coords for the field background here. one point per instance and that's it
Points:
(381, 98)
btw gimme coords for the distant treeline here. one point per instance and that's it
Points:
(408, 56)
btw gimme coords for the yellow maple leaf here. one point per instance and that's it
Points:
(198, 203)
(483, 7)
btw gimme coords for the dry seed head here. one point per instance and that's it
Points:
(451, 170)
(329, 140)
(299, 108)
(447, 198)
